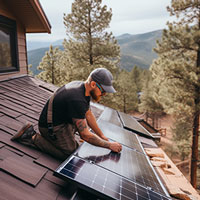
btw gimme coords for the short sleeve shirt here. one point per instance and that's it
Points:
(69, 102)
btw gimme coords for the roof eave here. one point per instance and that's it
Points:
(43, 18)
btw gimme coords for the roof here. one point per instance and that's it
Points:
(27, 173)
(31, 15)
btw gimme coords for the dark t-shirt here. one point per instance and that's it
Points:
(69, 102)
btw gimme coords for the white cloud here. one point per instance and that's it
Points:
(129, 16)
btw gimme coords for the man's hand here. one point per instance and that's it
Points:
(115, 146)
(94, 139)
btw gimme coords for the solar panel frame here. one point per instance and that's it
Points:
(119, 134)
(102, 185)
(152, 180)
(111, 116)
(139, 129)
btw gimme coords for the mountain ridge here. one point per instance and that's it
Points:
(135, 50)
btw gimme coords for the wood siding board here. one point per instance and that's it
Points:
(22, 40)
(23, 57)
(22, 63)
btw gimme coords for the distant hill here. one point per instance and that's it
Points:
(135, 50)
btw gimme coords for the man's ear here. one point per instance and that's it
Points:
(93, 84)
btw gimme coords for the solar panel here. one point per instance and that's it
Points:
(126, 175)
(132, 124)
(102, 182)
(117, 133)
(129, 163)
(111, 116)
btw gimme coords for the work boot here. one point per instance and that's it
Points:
(25, 134)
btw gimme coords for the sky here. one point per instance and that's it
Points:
(129, 16)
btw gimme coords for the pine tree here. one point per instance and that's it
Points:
(149, 100)
(177, 69)
(126, 98)
(51, 70)
(30, 72)
(89, 46)
(136, 77)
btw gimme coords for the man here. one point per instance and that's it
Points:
(67, 111)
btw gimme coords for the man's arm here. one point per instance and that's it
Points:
(91, 120)
(94, 139)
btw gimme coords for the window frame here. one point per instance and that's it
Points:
(11, 26)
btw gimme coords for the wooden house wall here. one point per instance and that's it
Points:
(21, 39)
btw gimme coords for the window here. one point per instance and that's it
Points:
(8, 45)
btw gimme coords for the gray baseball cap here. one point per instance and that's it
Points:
(104, 78)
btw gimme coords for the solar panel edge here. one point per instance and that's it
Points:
(79, 185)
(157, 176)
(133, 130)
(151, 167)
(96, 192)
(127, 131)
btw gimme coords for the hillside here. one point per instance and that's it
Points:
(135, 50)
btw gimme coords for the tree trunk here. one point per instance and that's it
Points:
(195, 136)
(194, 157)
(90, 39)
(53, 72)
(124, 104)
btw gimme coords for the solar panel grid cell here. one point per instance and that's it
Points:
(123, 176)
(109, 184)
(128, 163)
(116, 133)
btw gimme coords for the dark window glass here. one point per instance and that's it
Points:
(8, 45)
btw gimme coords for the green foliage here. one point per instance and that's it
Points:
(149, 99)
(176, 72)
(126, 98)
(50, 67)
(30, 72)
(182, 135)
(137, 77)
(90, 46)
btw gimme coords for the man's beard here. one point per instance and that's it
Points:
(95, 98)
